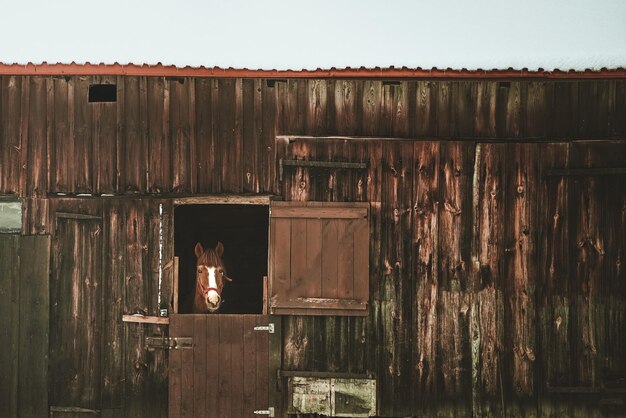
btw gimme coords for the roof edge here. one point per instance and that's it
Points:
(61, 69)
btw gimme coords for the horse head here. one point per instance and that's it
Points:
(210, 277)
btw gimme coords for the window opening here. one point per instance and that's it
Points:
(102, 93)
(243, 232)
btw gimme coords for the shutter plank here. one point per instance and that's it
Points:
(319, 212)
(281, 263)
(313, 273)
(329, 259)
(298, 256)
(345, 257)
(361, 260)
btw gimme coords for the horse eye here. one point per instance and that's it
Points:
(200, 270)
(222, 271)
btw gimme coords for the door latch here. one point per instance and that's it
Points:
(269, 328)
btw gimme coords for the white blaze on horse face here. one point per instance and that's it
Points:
(213, 296)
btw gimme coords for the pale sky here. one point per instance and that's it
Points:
(279, 34)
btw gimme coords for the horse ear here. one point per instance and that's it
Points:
(219, 248)
(198, 250)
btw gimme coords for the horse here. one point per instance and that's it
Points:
(210, 276)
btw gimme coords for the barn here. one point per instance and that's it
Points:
(401, 242)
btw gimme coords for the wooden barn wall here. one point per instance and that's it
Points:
(493, 284)
(203, 135)
(105, 263)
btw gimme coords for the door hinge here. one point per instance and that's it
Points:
(269, 328)
(269, 411)
(169, 343)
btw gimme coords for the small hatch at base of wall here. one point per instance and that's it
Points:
(336, 397)
(10, 215)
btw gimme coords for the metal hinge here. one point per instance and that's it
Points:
(269, 411)
(269, 328)
(169, 343)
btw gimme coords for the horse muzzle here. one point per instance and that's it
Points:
(213, 301)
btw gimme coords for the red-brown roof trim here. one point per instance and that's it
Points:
(387, 73)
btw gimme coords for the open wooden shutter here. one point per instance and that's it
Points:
(319, 258)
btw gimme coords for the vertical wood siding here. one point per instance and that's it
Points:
(200, 135)
(492, 284)
(24, 270)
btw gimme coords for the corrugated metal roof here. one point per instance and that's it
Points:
(362, 72)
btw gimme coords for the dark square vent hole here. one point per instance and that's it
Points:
(102, 93)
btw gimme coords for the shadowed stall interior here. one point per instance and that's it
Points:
(243, 231)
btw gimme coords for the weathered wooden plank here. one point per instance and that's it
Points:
(396, 311)
(36, 216)
(463, 107)
(444, 105)
(206, 142)
(60, 149)
(488, 216)
(237, 367)
(317, 106)
(297, 186)
(535, 109)
(271, 126)
(298, 255)
(455, 213)
(33, 326)
(345, 260)
(113, 281)
(185, 329)
(22, 135)
(159, 138)
(251, 130)
(199, 369)
(37, 139)
(103, 118)
(134, 146)
(167, 262)
(329, 259)
(486, 275)
(554, 361)
(297, 348)
(79, 131)
(508, 109)
(9, 139)
(75, 336)
(155, 388)
(454, 351)
(345, 106)
(180, 116)
(520, 271)
(213, 361)
(230, 135)
(311, 212)
(136, 286)
(225, 379)
(249, 404)
(563, 112)
(425, 224)
(618, 122)
(423, 117)
(9, 332)
(313, 258)
(485, 119)
(370, 106)
(280, 236)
